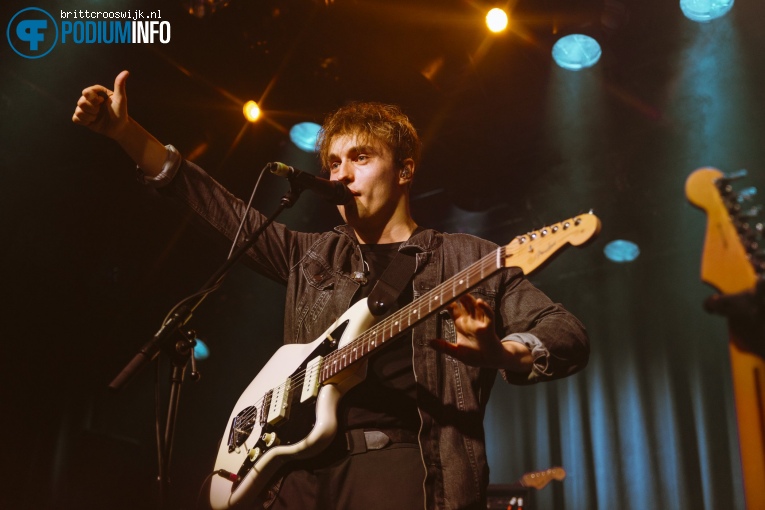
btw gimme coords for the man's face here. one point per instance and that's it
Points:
(370, 173)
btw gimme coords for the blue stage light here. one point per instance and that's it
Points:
(576, 51)
(621, 251)
(705, 10)
(201, 351)
(304, 135)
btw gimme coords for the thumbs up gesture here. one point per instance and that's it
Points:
(103, 110)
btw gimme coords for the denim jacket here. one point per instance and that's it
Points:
(318, 271)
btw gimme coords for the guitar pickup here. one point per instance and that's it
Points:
(280, 402)
(265, 405)
(311, 381)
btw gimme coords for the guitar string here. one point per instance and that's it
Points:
(479, 268)
(486, 263)
(475, 269)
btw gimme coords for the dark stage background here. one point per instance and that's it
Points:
(92, 261)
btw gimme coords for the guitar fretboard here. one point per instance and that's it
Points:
(411, 314)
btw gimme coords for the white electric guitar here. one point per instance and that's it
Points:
(289, 411)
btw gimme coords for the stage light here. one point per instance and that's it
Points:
(304, 135)
(496, 20)
(576, 51)
(201, 351)
(705, 10)
(202, 8)
(621, 251)
(251, 111)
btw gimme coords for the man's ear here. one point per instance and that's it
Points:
(406, 173)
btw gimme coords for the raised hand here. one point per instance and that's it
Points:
(103, 110)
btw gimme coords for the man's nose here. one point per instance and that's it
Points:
(344, 172)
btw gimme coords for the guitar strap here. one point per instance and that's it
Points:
(391, 283)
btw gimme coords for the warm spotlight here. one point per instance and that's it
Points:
(496, 20)
(251, 111)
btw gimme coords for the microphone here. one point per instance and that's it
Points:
(333, 191)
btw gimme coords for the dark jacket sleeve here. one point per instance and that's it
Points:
(276, 251)
(557, 339)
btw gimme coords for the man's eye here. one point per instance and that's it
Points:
(362, 157)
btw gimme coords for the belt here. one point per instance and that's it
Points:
(360, 441)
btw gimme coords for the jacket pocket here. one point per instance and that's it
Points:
(318, 282)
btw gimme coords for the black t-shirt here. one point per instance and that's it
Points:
(386, 399)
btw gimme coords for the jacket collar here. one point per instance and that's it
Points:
(422, 240)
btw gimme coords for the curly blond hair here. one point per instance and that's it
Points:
(371, 121)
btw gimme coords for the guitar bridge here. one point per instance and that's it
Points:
(241, 427)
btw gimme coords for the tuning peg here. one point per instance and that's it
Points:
(758, 261)
(740, 174)
(723, 183)
(752, 212)
(744, 228)
(746, 194)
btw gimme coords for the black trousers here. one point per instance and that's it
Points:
(357, 479)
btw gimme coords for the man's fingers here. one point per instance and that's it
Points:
(468, 303)
(101, 109)
(96, 91)
(485, 309)
(120, 86)
(90, 104)
(82, 118)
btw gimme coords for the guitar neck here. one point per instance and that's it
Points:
(527, 252)
(410, 315)
(728, 264)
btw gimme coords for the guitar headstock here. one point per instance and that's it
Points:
(531, 250)
(539, 479)
(731, 261)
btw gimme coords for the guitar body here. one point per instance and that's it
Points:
(308, 427)
(289, 411)
(726, 266)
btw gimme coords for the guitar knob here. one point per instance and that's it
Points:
(270, 438)
(253, 454)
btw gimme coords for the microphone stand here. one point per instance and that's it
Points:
(181, 351)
